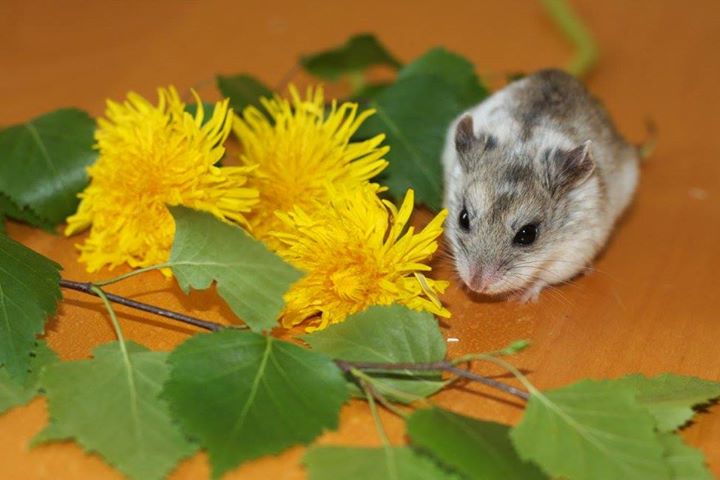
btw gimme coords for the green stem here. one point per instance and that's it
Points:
(371, 382)
(389, 454)
(113, 318)
(572, 26)
(407, 397)
(110, 281)
(123, 350)
(375, 414)
(512, 349)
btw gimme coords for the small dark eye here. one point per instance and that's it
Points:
(526, 235)
(464, 220)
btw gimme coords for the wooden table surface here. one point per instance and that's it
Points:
(652, 303)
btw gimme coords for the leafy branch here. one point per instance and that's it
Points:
(281, 394)
(94, 289)
(207, 251)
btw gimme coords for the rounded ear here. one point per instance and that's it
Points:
(570, 168)
(464, 135)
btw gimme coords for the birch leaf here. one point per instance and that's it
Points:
(357, 54)
(110, 405)
(591, 431)
(671, 398)
(14, 393)
(388, 334)
(29, 292)
(392, 463)
(473, 447)
(244, 395)
(243, 91)
(414, 113)
(456, 70)
(686, 462)
(250, 278)
(44, 160)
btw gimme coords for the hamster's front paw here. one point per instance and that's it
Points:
(531, 294)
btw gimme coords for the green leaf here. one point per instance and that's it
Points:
(208, 109)
(110, 405)
(591, 430)
(414, 113)
(10, 209)
(244, 395)
(243, 91)
(357, 54)
(392, 463)
(456, 70)
(43, 163)
(515, 347)
(29, 292)
(686, 462)
(369, 91)
(388, 334)
(670, 398)
(250, 278)
(475, 448)
(14, 393)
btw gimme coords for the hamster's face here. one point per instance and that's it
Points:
(512, 211)
(501, 224)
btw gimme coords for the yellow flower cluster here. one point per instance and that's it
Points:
(303, 187)
(151, 157)
(320, 212)
(357, 252)
(301, 149)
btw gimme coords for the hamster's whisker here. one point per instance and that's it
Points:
(584, 271)
(560, 296)
(551, 288)
(570, 282)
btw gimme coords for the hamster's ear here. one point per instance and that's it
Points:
(464, 135)
(570, 168)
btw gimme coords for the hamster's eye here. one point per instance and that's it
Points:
(526, 235)
(464, 219)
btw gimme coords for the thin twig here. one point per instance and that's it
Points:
(434, 366)
(461, 372)
(347, 366)
(484, 357)
(86, 287)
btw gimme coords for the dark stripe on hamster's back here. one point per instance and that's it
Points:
(549, 95)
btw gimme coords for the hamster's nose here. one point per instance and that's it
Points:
(484, 278)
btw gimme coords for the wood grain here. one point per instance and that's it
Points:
(650, 306)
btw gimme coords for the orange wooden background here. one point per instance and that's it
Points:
(651, 305)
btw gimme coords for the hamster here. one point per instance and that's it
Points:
(535, 178)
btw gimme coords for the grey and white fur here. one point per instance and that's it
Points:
(541, 153)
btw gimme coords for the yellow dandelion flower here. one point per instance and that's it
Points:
(151, 157)
(357, 252)
(300, 149)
